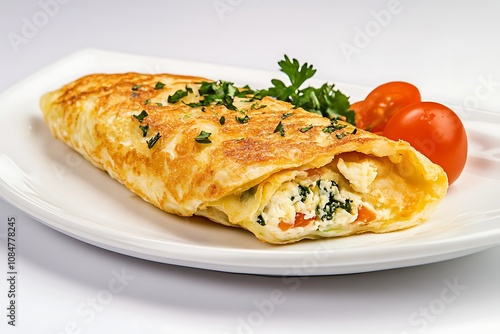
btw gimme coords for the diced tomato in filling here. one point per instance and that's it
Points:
(365, 215)
(300, 221)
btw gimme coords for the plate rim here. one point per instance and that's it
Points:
(325, 268)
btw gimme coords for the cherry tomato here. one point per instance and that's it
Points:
(434, 130)
(384, 101)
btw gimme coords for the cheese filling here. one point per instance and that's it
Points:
(322, 201)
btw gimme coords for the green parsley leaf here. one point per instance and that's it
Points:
(151, 142)
(159, 85)
(144, 129)
(306, 128)
(219, 93)
(325, 100)
(222, 120)
(284, 116)
(256, 106)
(141, 116)
(159, 104)
(148, 101)
(193, 104)
(279, 128)
(136, 87)
(296, 73)
(177, 96)
(333, 127)
(340, 135)
(242, 120)
(203, 137)
(245, 90)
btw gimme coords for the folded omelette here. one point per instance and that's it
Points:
(280, 172)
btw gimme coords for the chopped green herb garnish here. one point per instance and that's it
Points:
(148, 101)
(159, 104)
(144, 129)
(220, 93)
(284, 116)
(136, 87)
(203, 137)
(151, 142)
(279, 128)
(141, 116)
(328, 129)
(340, 135)
(222, 120)
(159, 85)
(334, 126)
(177, 96)
(354, 131)
(255, 106)
(242, 120)
(306, 128)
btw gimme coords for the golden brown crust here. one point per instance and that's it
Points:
(94, 115)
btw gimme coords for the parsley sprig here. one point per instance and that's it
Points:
(324, 100)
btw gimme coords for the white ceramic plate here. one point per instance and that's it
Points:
(50, 182)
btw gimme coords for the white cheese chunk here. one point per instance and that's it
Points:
(359, 174)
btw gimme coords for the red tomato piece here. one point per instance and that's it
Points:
(381, 103)
(434, 130)
(365, 215)
(300, 221)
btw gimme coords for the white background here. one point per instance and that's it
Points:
(449, 49)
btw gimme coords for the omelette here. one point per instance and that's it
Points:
(280, 172)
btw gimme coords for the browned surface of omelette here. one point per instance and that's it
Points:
(95, 116)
